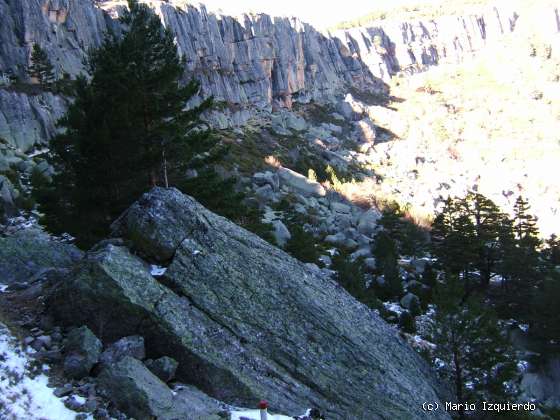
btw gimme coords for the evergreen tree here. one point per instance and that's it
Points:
(386, 255)
(302, 245)
(41, 68)
(466, 237)
(523, 259)
(487, 220)
(453, 240)
(545, 311)
(552, 250)
(525, 224)
(350, 274)
(127, 130)
(471, 350)
(409, 238)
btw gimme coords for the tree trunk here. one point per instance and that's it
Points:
(164, 162)
(459, 383)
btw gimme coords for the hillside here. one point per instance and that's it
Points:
(347, 201)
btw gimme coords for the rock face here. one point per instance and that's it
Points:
(28, 253)
(244, 320)
(251, 61)
(29, 120)
(139, 393)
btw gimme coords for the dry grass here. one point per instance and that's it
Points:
(414, 10)
(491, 124)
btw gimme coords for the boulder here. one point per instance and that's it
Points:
(245, 320)
(164, 368)
(29, 252)
(264, 178)
(82, 350)
(411, 302)
(132, 346)
(265, 193)
(365, 131)
(367, 223)
(140, 394)
(340, 208)
(340, 239)
(8, 196)
(281, 233)
(370, 263)
(300, 183)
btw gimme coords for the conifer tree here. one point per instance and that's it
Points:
(522, 260)
(453, 240)
(41, 68)
(466, 236)
(302, 245)
(386, 255)
(487, 221)
(126, 131)
(552, 250)
(472, 351)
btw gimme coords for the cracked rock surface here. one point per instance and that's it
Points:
(244, 320)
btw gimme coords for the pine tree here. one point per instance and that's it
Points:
(350, 274)
(386, 255)
(487, 220)
(466, 237)
(126, 131)
(545, 311)
(302, 245)
(41, 68)
(552, 250)
(471, 350)
(524, 259)
(453, 240)
(525, 224)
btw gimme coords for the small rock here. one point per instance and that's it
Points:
(340, 208)
(132, 346)
(164, 368)
(83, 349)
(281, 233)
(368, 222)
(63, 391)
(44, 341)
(73, 404)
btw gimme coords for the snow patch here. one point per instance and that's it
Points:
(3, 287)
(393, 307)
(156, 270)
(22, 395)
(256, 415)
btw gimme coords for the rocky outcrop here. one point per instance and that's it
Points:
(27, 254)
(66, 29)
(139, 393)
(244, 320)
(254, 61)
(27, 121)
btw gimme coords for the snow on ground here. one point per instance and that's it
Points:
(157, 270)
(3, 287)
(22, 396)
(256, 415)
(393, 307)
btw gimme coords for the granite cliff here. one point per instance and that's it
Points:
(252, 61)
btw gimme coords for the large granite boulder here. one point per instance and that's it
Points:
(244, 320)
(82, 349)
(140, 394)
(300, 183)
(29, 252)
